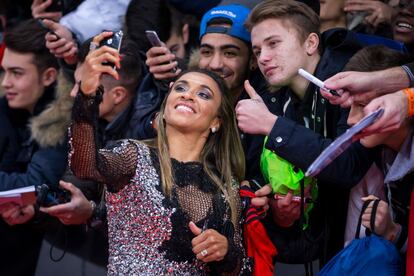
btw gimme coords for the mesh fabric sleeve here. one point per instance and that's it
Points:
(113, 166)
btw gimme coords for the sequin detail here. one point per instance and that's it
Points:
(138, 225)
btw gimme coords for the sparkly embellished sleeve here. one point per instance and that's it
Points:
(113, 166)
(235, 262)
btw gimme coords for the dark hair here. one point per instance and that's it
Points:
(375, 58)
(29, 37)
(130, 73)
(302, 17)
(222, 156)
(155, 15)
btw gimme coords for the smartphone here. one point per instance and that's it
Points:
(49, 196)
(114, 41)
(156, 42)
(153, 38)
(55, 6)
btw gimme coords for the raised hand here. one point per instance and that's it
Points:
(378, 12)
(93, 67)
(39, 10)
(208, 245)
(161, 63)
(253, 116)
(395, 107)
(351, 83)
(60, 41)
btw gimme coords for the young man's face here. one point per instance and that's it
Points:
(227, 56)
(279, 51)
(356, 114)
(22, 81)
(176, 45)
(403, 27)
(176, 42)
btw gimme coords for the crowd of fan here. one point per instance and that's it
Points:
(61, 80)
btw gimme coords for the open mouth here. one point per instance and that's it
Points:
(403, 27)
(185, 108)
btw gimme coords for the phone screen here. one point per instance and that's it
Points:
(153, 38)
(113, 41)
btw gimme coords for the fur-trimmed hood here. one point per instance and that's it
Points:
(194, 59)
(49, 128)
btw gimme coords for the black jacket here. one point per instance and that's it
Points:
(301, 145)
(23, 162)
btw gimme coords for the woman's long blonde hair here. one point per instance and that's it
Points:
(222, 153)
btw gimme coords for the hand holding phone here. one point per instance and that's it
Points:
(156, 42)
(153, 38)
(113, 41)
(49, 196)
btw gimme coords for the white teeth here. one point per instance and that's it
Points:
(185, 108)
(405, 25)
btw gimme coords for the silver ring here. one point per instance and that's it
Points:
(204, 253)
(93, 46)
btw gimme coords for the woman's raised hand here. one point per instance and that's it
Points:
(94, 66)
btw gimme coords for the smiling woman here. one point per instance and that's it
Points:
(173, 204)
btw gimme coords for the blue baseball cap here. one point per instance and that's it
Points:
(237, 14)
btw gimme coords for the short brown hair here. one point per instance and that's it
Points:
(29, 37)
(302, 17)
(375, 58)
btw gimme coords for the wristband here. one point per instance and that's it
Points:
(410, 95)
(409, 74)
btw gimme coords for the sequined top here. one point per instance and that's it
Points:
(148, 232)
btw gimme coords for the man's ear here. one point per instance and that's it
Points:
(186, 33)
(119, 94)
(49, 76)
(312, 44)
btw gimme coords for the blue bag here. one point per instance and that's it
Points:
(371, 255)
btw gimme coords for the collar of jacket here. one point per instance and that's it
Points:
(49, 126)
(400, 163)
